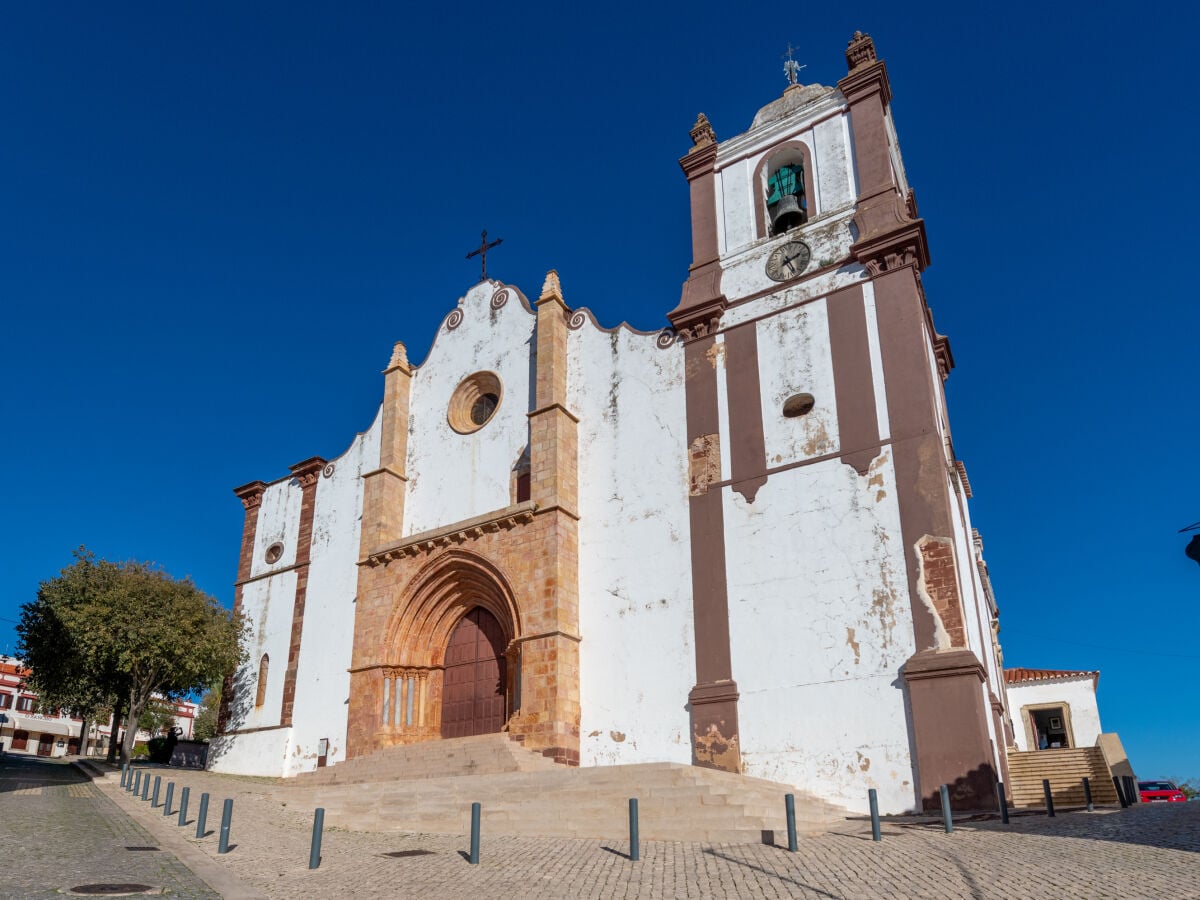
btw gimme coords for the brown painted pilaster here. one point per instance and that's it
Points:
(747, 444)
(853, 382)
(702, 304)
(715, 737)
(307, 472)
(251, 496)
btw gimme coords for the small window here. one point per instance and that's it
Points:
(5, 701)
(274, 553)
(798, 405)
(25, 704)
(475, 402)
(263, 666)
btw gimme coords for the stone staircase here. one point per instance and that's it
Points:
(484, 754)
(401, 789)
(1066, 768)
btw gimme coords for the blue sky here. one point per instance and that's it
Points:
(217, 221)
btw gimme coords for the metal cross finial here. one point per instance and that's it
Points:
(791, 68)
(482, 250)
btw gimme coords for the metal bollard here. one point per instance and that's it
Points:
(170, 797)
(202, 818)
(946, 816)
(1003, 802)
(873, 799)
(1087, 793)
(1120, 791)
(1049, 797)
(226, 818)
(146, 787)
(157, 785)
(135, 783)
(473, 858)
(314, 852)
(789, 807)
(124, 774)
(1131, 792)
(635, 850)
(183, 805)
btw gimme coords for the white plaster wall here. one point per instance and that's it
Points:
(257, 753)
(1078, 693)
(737, 205)
(322, 674)
(794, 356)
(832, 176)
(820, 625)
(451, 476)
(744, 273)
(637, 657)
(267, 606)
(278, 520)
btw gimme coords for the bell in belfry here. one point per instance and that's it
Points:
(785, 198)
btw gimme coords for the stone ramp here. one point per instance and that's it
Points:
(485, 754)
(676, 803)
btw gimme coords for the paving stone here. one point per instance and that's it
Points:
(1142, 852)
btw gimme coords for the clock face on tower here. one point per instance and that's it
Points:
(788, 260)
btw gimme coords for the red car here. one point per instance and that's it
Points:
(1160, 792)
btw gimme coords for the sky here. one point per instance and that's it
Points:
(218, 217)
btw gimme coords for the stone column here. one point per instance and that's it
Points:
(306, 473)
(251, 496)
(384, 488)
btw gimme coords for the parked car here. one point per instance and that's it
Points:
(1160, 792)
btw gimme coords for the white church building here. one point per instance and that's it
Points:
(742, 541)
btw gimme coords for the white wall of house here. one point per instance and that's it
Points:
(1078, 693)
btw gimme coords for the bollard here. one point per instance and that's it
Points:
(202, 817)
(1131, 792)
(635, 850)
(183, 804)
(124, 774)
(946, 816)
(170, 797)
(789, 807)
(157, 785)
(226, 818)
(873, 799)
(135, 783)
(1049, 797)
(1087, 793)
(1120, 791)
(1003, 802)
(314, 852)
(146, 787)
(473, 859)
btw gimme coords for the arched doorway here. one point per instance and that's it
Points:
(473, 698)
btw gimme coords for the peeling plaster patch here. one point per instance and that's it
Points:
(704, 463)
(941, 637)
(864, 762)
(716, 354)
(853, 645)
(593, 734)
(818, 441)
(617, 736)
(715, 750)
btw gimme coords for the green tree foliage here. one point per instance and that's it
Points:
(1190, 788)
(157, 717)
(205, 727)
(132, 630)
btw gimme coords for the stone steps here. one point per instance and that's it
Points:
(479, 755)
(676, 802)
(1065, 768)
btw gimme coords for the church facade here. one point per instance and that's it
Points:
(742, 541)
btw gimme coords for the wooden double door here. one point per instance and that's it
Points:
(473, 686)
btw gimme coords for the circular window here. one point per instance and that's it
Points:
(475, 401)
(798, 405)
(274, 553)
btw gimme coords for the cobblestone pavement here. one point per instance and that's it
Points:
(58, 831)
(1143, 852)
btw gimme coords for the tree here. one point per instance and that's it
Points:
(157, 717)
(134, 630)
(205, 727)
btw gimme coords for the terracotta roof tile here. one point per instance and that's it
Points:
(1025, 676)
